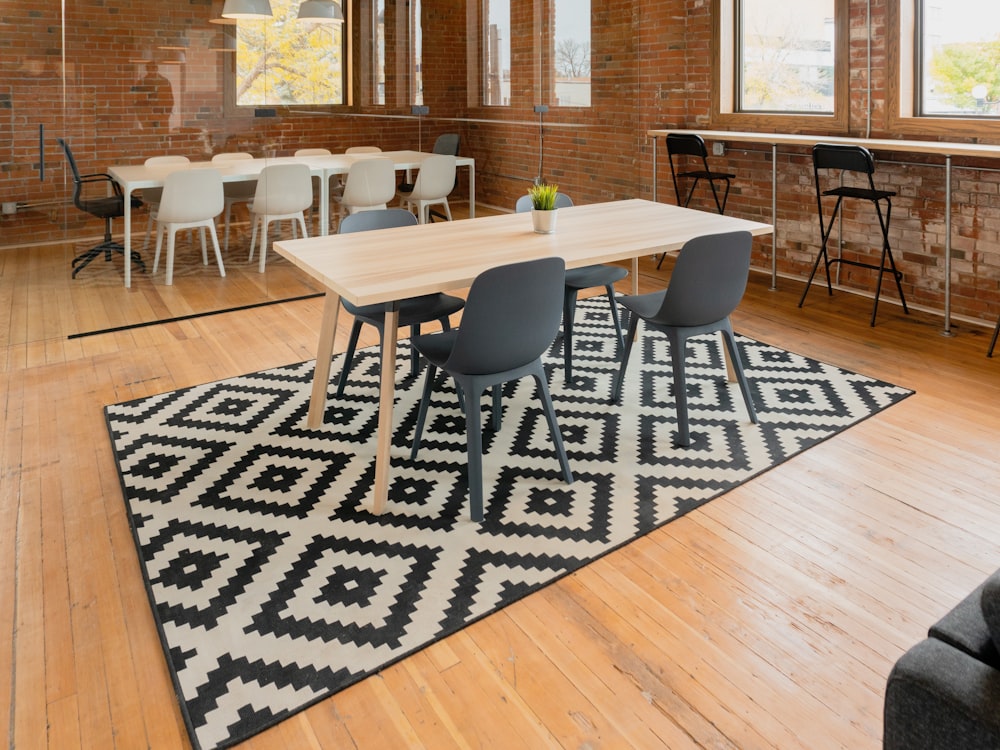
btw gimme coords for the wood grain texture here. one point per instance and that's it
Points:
(768, 618)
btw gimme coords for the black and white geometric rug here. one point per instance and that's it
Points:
(274, 588)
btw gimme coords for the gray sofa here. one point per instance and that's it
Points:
(945, 692)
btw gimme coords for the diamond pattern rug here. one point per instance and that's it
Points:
(274, 588)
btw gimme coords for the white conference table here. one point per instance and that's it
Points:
(938, 148)
(366, 268)
(132, 177)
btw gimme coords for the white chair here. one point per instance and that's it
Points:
(191, 199)
(151, 196)
(235, 192)
(370, 185)
(284, 191)
(434, 182)
(363, 150)
(334, 181)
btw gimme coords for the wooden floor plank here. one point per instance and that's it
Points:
(768, 618)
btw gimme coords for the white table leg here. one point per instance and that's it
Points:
(321, 373)
(127, 241)
(387, 397)
(472, 191)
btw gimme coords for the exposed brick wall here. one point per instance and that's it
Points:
(651, 68)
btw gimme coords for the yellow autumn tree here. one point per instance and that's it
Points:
(284, 61)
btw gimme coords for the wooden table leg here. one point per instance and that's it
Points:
(388, 396)
(321, 373)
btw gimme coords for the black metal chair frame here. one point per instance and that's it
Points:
(692, 145)
(993, 341)
(107, 207)
(836, 159)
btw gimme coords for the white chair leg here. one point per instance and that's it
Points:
(159, 244)
(263, 245)
(170, 254)
(229, 211)
(218, 253)
(204, 253)
(253, 237)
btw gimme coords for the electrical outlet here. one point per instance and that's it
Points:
(10, 207)
(718, 148)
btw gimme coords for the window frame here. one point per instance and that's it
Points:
(725, 46)
(232, 109)
(904, 81)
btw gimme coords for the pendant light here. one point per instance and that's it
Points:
(246, 9)
(320, 11)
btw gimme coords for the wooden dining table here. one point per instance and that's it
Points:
(387, 265)
(132, 177)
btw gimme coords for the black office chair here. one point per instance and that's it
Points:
(105, 207)
(412, 312)
(447, 144)
(688, 149)
(706, 285)
(577, 279)
(836, 162)
(511, 317)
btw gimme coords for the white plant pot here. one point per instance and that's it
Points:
(543, 222)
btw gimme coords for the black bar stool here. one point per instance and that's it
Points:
(993, 341)
(689, 149)
(836, 161)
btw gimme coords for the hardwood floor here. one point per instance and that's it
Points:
(767, 619)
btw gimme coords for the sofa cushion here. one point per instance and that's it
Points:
(990, 605)
(965, 628)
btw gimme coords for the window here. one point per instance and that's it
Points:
(571, 32)
(944, 77)
(284, 61)
(496, 52)
(780, 64)
(378, 52)
(416, 37)
(959, 58)
(786, 56)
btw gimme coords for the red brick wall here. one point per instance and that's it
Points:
(651, 68)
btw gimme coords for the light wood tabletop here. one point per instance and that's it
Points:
(388, 265)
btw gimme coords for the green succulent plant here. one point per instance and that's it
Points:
(543, 196)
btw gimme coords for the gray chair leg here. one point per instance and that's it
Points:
(550, 416)
(616, 386)
(678, 345)
(741, 378)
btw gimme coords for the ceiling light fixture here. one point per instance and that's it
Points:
(320, 11)
(246, 9)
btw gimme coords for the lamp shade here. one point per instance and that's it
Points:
(320, 11)
(246, 9)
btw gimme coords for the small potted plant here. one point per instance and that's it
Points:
(543, 207)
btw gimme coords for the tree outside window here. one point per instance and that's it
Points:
(284, 61)
(960, 56)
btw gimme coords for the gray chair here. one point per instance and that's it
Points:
(511, 317)
(706, 285)
(412, 312)
(578, 279)
(832, 163)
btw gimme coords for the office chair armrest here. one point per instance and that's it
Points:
(101, 177)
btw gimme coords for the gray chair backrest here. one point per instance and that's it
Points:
(708, 280)
(385, 219)
(524, 202)
(447, 143)
(511, 317)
